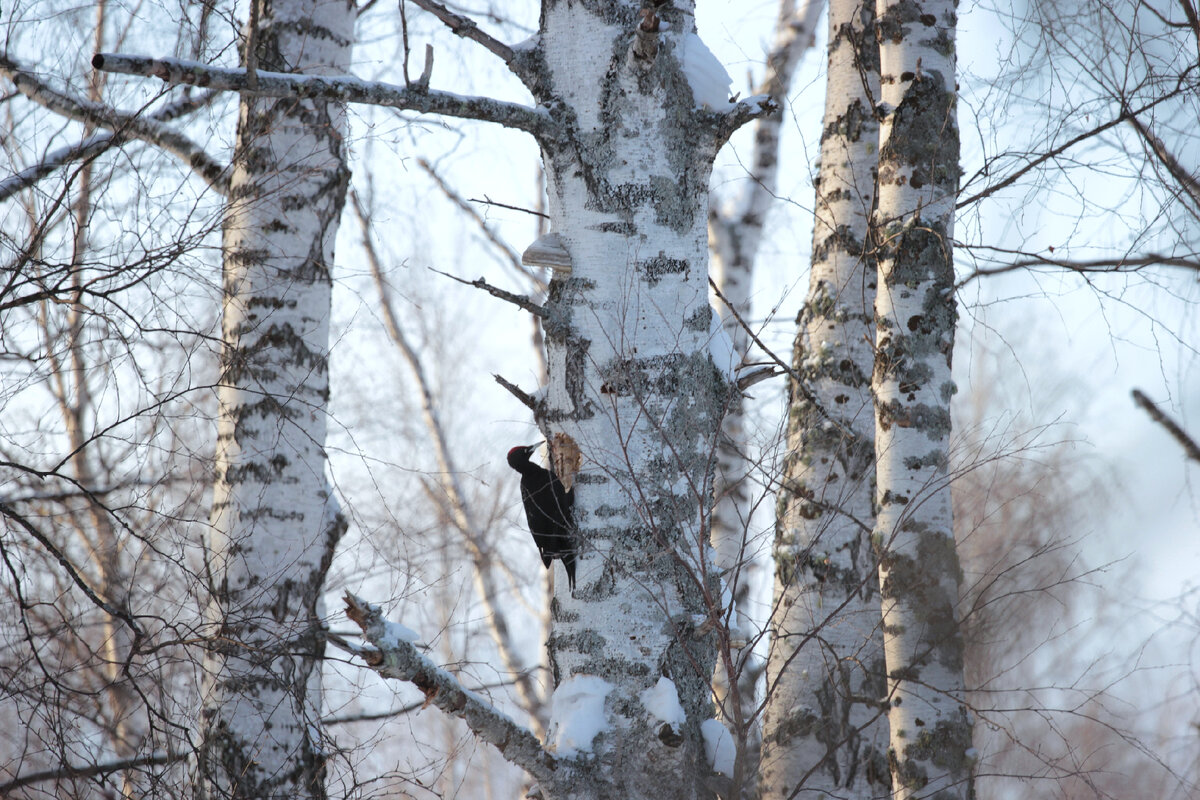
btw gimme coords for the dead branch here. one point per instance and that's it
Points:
(518, 300)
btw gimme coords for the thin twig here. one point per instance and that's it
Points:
(795, 376)
(1189, 445)
(519, 300)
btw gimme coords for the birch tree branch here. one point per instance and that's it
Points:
(123, 126)
(518, 300)
(517, 392)
(343, 88)
(1189, 445)
(394, 657)
(468, 29)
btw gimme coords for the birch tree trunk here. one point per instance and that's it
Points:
(274, 519)
(632, 384)
(824, 733)
(915, 318)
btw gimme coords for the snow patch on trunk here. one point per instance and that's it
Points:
(577, 714)
(662, 702)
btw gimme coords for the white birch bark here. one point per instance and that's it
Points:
(824, 733)
(631, 382)
(274, 522)
(915, 318)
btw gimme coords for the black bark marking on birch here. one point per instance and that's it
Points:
(933, 420)
(841, 240)
(945, 746)
(851, 123)
(924, 136)
(914, 581)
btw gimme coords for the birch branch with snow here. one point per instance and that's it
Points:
(342, 88)
(394, 656)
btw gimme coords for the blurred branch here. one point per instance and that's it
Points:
(123, 126)
(90, 771)
(1189, 445)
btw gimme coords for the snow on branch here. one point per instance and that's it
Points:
(394, 656)
(343, 88)
(123, 125)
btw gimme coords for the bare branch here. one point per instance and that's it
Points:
(99, 143)
(1120, 264)
(1055, 152)
(490, 202)
(1189, 445)
(743, 111)
(344, 88)
(90, 771)
(1187, 182)
(511, 256)
(399, 659)
(468, 29)
(74, 575)
(124, 126)
(519, 300)
(517, 392)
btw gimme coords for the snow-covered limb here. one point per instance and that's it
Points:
(345, 88)
(399, 659)
(743, 111)
(124, 126)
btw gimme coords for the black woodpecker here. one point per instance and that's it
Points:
(547, 509)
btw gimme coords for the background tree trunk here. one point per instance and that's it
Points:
(915, 317)
(824, 730)
(274, 518)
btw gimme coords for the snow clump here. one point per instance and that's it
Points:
(577, 714)
(709, 81)
(718, 746)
